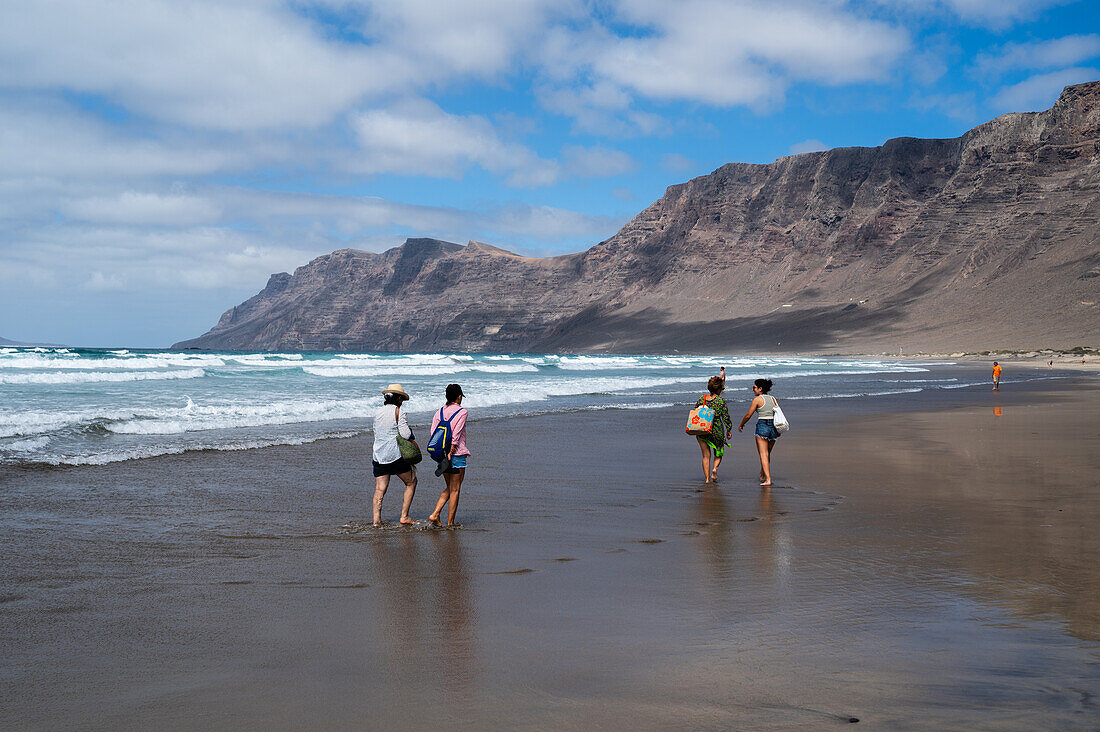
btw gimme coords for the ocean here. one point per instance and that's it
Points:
(70, 406)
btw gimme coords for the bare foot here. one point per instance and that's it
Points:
(435, 522)
(377, 524)
(454, 526)
(766, 485)
(408, 521)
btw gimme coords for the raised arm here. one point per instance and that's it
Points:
(757, 402)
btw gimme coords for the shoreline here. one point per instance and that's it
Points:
(931, 395)
(596, 581)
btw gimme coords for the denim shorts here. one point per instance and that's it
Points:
(766, 428)
(457, 462)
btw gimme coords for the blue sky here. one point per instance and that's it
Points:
(159, 159)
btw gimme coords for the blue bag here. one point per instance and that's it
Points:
(439, 444)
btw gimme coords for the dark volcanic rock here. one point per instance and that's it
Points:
(989, 240)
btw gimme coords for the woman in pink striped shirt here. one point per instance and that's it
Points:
(454, 412)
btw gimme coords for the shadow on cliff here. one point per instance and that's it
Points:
(818, 329)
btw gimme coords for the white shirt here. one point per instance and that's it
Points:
(386, 429)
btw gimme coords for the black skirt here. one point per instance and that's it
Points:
(397, 467)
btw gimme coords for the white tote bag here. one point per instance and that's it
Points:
(779, 420)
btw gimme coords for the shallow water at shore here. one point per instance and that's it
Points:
(911, 568)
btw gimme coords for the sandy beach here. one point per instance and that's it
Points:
(925, 561)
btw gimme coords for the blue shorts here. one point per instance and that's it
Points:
(457, 463)
(766, 428)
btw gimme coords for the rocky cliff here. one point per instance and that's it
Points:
(989, 240)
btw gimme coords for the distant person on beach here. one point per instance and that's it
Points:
(389, 422)
(454, 467)
(722, 374)
(996, 376)
(714, 445)
(764, 405)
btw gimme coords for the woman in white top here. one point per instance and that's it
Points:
(764, 405)
(389, 422)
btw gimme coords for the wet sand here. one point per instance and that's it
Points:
(925, 561)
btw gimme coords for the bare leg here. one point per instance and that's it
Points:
(454, 483)
(433, 519)
(765, 460)
(705, 447)
(381, 483)
(714, 470)
(409, 479)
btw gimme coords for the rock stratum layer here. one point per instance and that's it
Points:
(985, 241)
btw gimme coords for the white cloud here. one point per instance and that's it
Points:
(49, 139)
(807, 146)
(713, 52)
(241, 64)
(100, 282)
(596, 162)
(677, 163)
(416, 137)
(730, 53)
(993, 14)
(1040, 91)
(961, 106)
(1000, 13)
(136, 207)
(206, 63)
(1038, 55)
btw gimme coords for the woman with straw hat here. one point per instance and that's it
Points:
(389, 422)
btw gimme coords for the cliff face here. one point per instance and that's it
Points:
(988, 240)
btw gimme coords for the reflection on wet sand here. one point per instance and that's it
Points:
(1009, 502)
(454, 615)
(426, 610)
(398, 567)
(733, 522)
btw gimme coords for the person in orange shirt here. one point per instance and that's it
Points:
(996, 376)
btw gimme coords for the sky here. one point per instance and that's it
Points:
(159, 159)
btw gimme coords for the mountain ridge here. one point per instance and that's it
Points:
(987, 240)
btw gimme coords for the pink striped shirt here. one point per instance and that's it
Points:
(458, 427)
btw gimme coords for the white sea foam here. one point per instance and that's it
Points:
(386, 369)
(29, 445)
(199, 417)
(854, 395)
(75, 362)
(85, 377)
(116, 456)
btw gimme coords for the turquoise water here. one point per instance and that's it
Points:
(63, 406)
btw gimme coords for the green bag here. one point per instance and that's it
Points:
(410, 451)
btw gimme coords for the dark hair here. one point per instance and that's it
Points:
(454, 391)
(391, 398)
(715, 385)
(764, 384)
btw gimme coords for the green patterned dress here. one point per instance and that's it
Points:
(722, 426)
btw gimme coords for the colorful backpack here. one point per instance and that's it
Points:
(439, 444)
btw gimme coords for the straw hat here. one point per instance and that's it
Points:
(396, 389)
